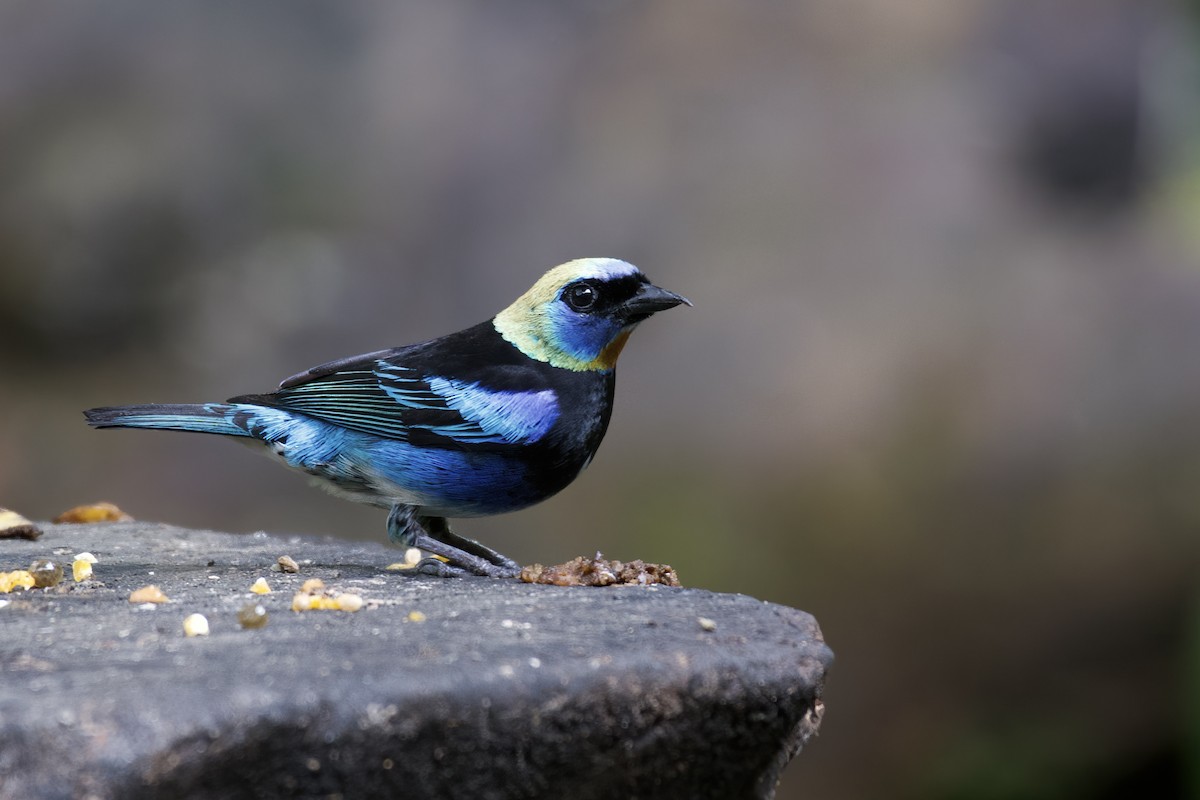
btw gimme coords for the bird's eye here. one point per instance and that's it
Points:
(581, 296)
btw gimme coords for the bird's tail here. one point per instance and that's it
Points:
(222, 418)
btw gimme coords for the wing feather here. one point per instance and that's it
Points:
(384, 397)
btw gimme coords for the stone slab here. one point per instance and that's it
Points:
(505, 690)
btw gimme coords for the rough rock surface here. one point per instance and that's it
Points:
(504, 690)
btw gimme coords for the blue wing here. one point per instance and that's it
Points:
(375, 394)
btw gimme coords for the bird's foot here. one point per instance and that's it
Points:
(458, 555)
(440, 531)
(459, 562)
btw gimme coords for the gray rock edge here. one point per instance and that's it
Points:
(506, 689)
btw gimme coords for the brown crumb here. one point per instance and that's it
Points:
(252, 615)
(286, 564)
(94, 512)
(46, 573)
(600, 571)
(148, 594)
(14, 526)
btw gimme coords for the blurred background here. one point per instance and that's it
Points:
(941, 386)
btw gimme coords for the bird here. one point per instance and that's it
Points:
(490, 419)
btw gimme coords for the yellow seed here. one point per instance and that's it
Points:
(412, 557)
(81, 570)
(313, 586)
(19, 578)
(348, 602)
(94, 512)
(148, 594)
(416, 616)
(303, 601)
(260, 586)
(195, 625)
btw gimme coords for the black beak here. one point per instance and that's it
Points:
(651, 299)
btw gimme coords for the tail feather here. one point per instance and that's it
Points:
(220, 418)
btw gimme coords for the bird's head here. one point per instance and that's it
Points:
(579, 314)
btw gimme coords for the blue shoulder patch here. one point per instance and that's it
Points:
(393, 400)
(496, 416)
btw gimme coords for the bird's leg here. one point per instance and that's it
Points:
(408, 529)
(403, 525)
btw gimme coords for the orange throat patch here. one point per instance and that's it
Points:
(608, 356)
